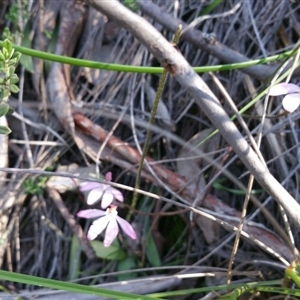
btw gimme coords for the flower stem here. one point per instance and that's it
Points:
(160, 88)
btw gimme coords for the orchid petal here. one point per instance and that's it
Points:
(117, 194)
(90, 213)
(284, 88)
(92, 234)
(94, 196)
(89, 185)
(97, 227)
(291, 102)
(128, 229)
(112, 231)
(107, 199)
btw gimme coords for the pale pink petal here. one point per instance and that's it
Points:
(291, 102)
(107, 199)
(94, 196)
(117, 194)
(90, 213)
(108, 176)
(284, 88)
(112, 231)
(97, 227)
(89, 185)
(128, 229)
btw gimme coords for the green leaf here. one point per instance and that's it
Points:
(111, 253)
(7, 45)
(11, 53)
(131, 4)
(16, 57)
(209, 8)
(31, 187)
(12, 62)
(8, 49)
(14, 89)
(6, 34)
(11, 70)
(4, 130)
(74, 260)
(152, 253)
(6, 54)
(127, 264)
(5, 93)
(10, 111)
(13, 79)
(48, 34)
(2, 58)
(3, 109)
(26, 62)
(69, 286)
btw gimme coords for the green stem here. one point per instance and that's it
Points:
(292, 272)
(236, 293)
(160, 89)
(138, 69)
(252, 285)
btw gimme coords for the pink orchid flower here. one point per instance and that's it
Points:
(101, 191)
(109, 220)
(292, 100)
